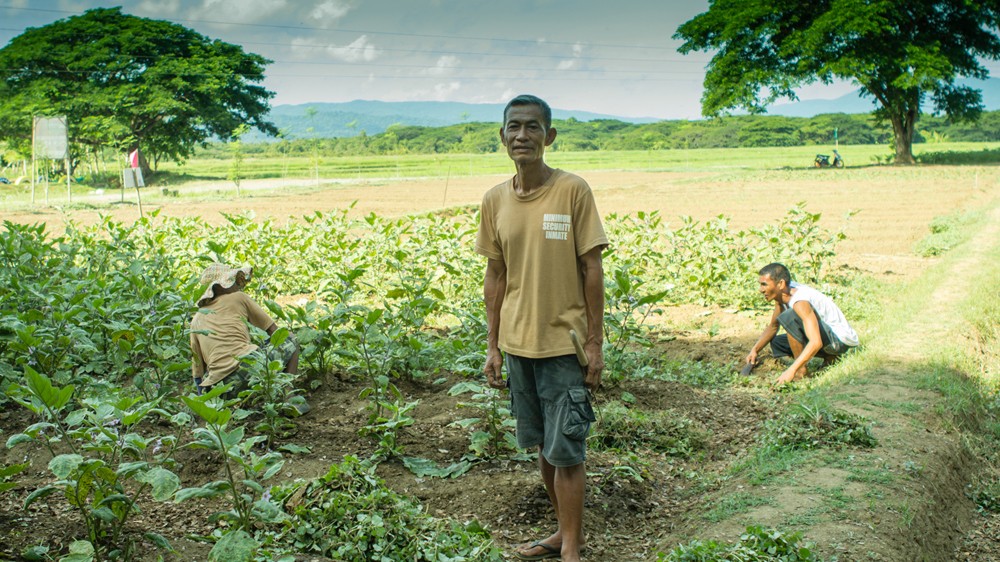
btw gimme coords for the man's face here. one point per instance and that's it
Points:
(770, 288)
(524, 134)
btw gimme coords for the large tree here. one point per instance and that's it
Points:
(128, 82)
(900, 52)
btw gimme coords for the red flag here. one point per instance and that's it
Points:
(133, 159)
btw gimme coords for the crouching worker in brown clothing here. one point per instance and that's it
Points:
(220, 335)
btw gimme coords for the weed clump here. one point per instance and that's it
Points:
(350, 515)
(811, 426)
(755, 545)
(987, 497)
(624, 428)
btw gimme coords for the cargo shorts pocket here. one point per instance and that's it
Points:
(579, 414)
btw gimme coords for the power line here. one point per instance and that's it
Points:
(548, 76)
(479, 53)
(374, 32)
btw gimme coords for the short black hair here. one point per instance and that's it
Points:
(528, 99)
(777, 272)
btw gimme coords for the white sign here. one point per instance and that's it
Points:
(49, 140)
(132, 177)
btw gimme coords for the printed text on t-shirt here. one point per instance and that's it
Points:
(556, 227)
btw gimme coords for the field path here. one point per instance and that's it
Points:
(938, 315)
(905, 499)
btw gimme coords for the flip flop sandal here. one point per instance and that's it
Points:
(550, 552)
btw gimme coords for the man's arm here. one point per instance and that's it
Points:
(494, 288)
(810, 322)
(765, 338)
(593, 293)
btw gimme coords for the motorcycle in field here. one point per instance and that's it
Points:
(823, 160)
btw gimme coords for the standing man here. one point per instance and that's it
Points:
(814, 325)
(543, 238)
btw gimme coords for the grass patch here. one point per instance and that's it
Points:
(764, 464)
(791, 439)
(905, 407)
(836, 499)
(879, 475)
(964, 400)
(982, 358)
(946, 232)
(835, 503)
(734, 504)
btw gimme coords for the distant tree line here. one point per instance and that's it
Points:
(730, 132)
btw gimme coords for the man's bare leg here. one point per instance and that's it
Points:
(797, 348)
(562, 483)
(803, 371)
(570, 484)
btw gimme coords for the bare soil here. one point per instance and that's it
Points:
(922, 515)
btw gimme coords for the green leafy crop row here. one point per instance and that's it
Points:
(94, 339)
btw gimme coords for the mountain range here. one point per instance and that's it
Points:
(349, 119)
(854, 103)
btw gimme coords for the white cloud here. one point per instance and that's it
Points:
(360, 50)
(329, 12)
(441, 91)
(443, 66)
(157, 9)
(444, 90)
(505, 96)
(321, 13)
(573, 63)
(242, 11)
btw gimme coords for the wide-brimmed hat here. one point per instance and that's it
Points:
(221, 275)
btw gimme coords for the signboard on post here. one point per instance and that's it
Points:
(49, 140)
(133, 178)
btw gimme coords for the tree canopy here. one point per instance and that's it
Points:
(901, 53)
(126, 82)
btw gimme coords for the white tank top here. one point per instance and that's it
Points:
(827, 311)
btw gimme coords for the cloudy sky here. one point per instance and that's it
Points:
(613, 57)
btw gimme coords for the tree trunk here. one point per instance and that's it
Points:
(903, 127)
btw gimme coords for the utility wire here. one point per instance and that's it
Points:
(533, 42)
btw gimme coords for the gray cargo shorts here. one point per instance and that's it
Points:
(790, 321)
(552, 407)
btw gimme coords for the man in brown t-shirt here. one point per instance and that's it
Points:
(543, 239)
(219, 330)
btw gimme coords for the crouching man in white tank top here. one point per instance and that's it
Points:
(814, 325)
